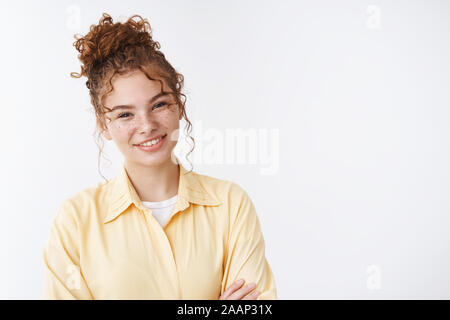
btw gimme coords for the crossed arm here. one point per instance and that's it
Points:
(245, 254)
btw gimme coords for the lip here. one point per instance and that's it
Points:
(161, 135)
(154, 147)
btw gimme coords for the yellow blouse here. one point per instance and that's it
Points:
(105, 244)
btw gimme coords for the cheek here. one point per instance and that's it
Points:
(121, 132)
(172, 120)
(175, 132)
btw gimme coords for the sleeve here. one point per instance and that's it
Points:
(63, 279)
(245, 252)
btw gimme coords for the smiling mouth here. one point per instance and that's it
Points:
(152, 142)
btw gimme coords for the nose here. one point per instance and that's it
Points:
(146, 124)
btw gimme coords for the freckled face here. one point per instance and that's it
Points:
(145, 116)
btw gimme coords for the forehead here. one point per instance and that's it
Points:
(134, 87)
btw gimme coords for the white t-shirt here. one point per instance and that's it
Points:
(162, 210)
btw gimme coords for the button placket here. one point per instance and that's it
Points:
(166, 252)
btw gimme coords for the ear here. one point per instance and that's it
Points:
(106, 135)
(104, 131)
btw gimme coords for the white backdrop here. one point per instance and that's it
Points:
(346, 106)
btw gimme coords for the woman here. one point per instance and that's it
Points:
(156, 231)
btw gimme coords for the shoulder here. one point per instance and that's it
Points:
(226, 191)
(85, 204)
(236, 204)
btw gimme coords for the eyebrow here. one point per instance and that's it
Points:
(130, 106)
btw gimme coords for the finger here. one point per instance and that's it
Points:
(242, 292)
(252, 296)
(239, 294)
(235, 286)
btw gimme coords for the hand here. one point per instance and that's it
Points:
(235, 292)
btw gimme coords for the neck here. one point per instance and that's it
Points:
(154, 183)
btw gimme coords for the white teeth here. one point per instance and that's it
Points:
(150, 143)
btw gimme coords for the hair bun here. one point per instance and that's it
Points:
(108, 38)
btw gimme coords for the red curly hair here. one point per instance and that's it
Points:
(119, 48)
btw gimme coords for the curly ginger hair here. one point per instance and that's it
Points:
(110, 49)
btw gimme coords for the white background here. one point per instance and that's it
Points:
(358, 90)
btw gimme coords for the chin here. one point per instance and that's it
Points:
(155, 159)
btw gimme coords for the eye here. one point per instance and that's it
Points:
(123, 114)
(159, 105)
